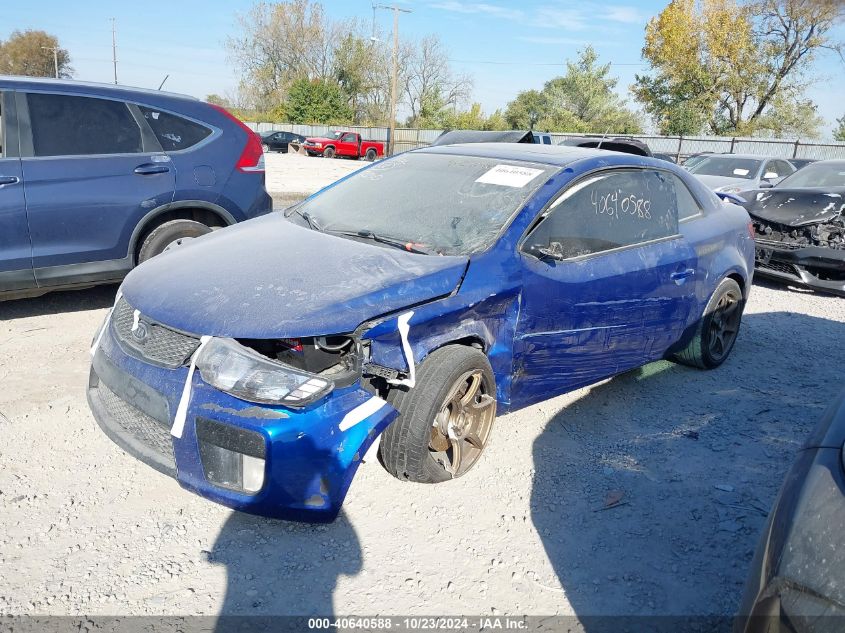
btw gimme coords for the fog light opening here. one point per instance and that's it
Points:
(231, 457)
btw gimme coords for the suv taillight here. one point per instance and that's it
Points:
(251, 159)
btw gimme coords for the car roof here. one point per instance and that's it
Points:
(750, 156)
(103, 89)
(558, 155)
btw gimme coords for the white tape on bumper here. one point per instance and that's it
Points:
(182, 410)
(404, 329)
(361, 412)
(105, 323)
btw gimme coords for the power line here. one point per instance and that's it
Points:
(501, 63)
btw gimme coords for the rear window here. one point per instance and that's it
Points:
(174, 132)
(64, 125)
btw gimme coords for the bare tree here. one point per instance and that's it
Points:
(282, 42)
(428, 80)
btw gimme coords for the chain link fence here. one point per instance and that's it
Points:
(678, 147)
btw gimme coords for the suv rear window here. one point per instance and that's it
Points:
(174, 132)
(65, 125)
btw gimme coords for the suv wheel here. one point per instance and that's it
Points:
(329, 152)
(169, 235)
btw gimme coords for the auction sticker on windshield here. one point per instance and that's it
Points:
(509, 176)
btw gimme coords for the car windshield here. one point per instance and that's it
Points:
(816, 175)
(438, 203)
(335, 135)
(727, 166)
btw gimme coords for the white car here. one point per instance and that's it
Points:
(735, 173)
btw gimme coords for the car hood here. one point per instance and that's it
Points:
(270, 278)
(714, 182)
(796, 207)
(321, 139)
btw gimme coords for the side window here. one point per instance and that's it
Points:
(65, 125)
(609, 210)
(349, 138)
(688, 206)
(782, 168)
(174, 132)
(547, 140)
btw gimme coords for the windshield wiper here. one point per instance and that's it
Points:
(383, 239)
(312, 224)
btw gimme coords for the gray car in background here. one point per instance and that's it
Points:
(734, 173)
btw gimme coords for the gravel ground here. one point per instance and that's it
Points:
(291, 177)
(697, 457)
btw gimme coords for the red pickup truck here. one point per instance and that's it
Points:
(343, 143)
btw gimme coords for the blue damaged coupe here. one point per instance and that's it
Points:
(410, 303)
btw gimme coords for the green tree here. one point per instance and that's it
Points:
(218, 100)
(30, 53)
(317, 101)
(584, 99)
(839, 132)
(524, 112)
(734, 67)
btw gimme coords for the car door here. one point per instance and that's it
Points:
(279, 142)
(92, 169)
(15, 247)
(608, 283)
(348, 145)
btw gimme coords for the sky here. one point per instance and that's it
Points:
(505, 45)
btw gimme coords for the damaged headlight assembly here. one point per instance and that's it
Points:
(246, 374)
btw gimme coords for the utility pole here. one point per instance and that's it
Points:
(395, 79)
(113, 50)
(55, 50)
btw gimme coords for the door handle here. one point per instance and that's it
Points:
(682, 275)
(151, 168)
(9, 180)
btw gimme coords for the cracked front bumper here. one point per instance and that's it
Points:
(811, 267)
(309, 461)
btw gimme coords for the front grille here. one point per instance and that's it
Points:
(150, 432)
(787, 269)
(151, 341)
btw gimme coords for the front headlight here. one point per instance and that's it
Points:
(229, 366)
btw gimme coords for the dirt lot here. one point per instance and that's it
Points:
(698, 456)
(291, 177)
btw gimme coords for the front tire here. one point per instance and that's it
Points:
(169, 235)
(265, 148)
(717, 330)
(329, 152)
(445, 421)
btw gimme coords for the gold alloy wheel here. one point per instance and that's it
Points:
(462, 426)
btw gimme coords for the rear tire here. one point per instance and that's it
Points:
(371, 155)
(717, 329)
(455, 388)
(170, 234)
(329, 152)
(265, 148)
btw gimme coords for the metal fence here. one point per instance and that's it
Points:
(675, 146)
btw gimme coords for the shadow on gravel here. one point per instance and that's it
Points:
(59, 302)
(651, 490)
(281, 568)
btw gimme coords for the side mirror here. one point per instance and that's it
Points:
(553, 251)
(766, 184)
